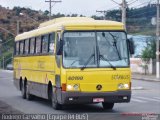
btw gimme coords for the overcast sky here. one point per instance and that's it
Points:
(85, 7)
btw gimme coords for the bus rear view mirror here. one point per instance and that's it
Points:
(131, 46)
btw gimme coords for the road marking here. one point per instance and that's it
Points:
(150, 99)
(7, 71)
(137, 100)
(137, 88)
(157, 98)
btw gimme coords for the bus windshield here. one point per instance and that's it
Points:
(95, 49)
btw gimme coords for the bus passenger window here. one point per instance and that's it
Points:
(21, 47)
(51, 43)
(32, 45)
(45, 44)
(17, 48)
(38, 45)
(26, 46)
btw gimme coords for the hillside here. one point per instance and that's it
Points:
(9, 18)
(138, 19)
(8, 23)
(138, 22)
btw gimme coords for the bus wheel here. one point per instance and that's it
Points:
(55, 104)
(28, 95)
(107, 106)
(23, 91)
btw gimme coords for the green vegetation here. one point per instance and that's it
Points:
(7, 58)
(138, 19)
(148, 53)
(150, 50)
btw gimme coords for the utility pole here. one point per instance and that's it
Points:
(50, 6)
(103, 12)
(124, 6)
(3, 62)
(18, 26)
(158, 39)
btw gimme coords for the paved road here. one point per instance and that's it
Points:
(145, 99)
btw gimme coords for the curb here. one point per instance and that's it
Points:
(147, 79)
(8, 71)
(137, 88)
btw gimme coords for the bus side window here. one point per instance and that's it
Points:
(51, 43)
(32, 45)
(38, 45)
(45, 44)
(17, 48)
(21, 47)
(26, 48)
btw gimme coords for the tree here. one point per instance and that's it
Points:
(148, 53)
(46, 12)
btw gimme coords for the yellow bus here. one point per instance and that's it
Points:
(74, 60)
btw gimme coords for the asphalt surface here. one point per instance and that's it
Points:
(145, 100)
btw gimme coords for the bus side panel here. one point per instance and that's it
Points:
(38, 71)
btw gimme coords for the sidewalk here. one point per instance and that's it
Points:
(151, 78)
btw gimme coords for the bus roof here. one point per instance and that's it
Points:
(71, 23)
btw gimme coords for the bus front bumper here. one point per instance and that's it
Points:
(87, 97)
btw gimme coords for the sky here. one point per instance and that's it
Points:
(84, 7)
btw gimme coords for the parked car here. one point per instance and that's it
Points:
(9, 67)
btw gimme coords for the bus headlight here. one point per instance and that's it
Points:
(123, 86)
(120, 86)
(126, 86)
(69, 87)
(73, 87)
(76, 87)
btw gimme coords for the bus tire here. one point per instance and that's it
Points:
(55, 104)
(107, 106)
(23, 91)
(28, 95)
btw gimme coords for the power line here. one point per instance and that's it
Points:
(141, 13)
(50, 6)
(132, 2)
(123, 7)
(116, 2)
(6, 41)
(7, 31)
(142, 4)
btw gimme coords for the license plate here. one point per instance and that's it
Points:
(98, 99)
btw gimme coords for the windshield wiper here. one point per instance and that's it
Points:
(89, 59)
(115, 43)
(105, 59)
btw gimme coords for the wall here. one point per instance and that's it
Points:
(137, 63)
